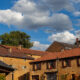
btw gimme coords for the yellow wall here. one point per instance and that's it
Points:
(34, 56)
(17, 64)
(74, 69)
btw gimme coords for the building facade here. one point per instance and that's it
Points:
(58, 66)
(19, 59)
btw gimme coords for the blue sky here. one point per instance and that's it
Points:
(45, 21)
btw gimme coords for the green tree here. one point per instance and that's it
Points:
(15, 38)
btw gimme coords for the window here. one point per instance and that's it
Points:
(51, 65)
(24, 59)
(66, 63)
(33, 67)
(38, 66)
(13, 66)
(10, 65)
(23, 67)
(78, 62)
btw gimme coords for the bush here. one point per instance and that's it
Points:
(2, 77)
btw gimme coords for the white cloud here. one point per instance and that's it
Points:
(58, 22)
(38, 46)
(65, 37)
(42, 5)
(57, 5)
(77, 33)
(29, 14)
(77, 13)
(10, 17)
(76, 1)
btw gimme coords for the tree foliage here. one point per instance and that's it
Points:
(15, 38)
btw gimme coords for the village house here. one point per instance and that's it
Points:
(63, 65)
(5, 70)
(58, 61)
(61, 46)
(19, 58)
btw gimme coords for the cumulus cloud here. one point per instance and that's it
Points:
(59, 22)
(76, 1)
(56, 5)
(77, 33)
(77, 13)
(29, 14)
(10, 17)
(42, 5)
(65, 37)
(38, 46)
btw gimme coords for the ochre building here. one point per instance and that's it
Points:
(19, 58)
(63, 65)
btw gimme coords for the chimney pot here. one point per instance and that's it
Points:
(10, 50)
(19, 47)
(77, 39)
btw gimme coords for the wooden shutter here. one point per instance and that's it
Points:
(69, 62)
(78, 62)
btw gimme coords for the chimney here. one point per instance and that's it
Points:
(10, 50)
(19, 47)
(77, 40)
(62, 50)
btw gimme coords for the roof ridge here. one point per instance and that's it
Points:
(64, 54)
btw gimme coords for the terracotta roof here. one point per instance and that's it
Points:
(19, 53)
(58, 46)
(25, 50)
(65, 54)
(14, 53)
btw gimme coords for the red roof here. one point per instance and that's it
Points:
(59, 55)
(4, 52)
(25, 50)
(21, 53)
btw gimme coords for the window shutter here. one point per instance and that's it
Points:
(39, 66)
(63, 64)
(33, 67)
(78, 62)
(69, 63)
(54, 63)
(47, 65)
